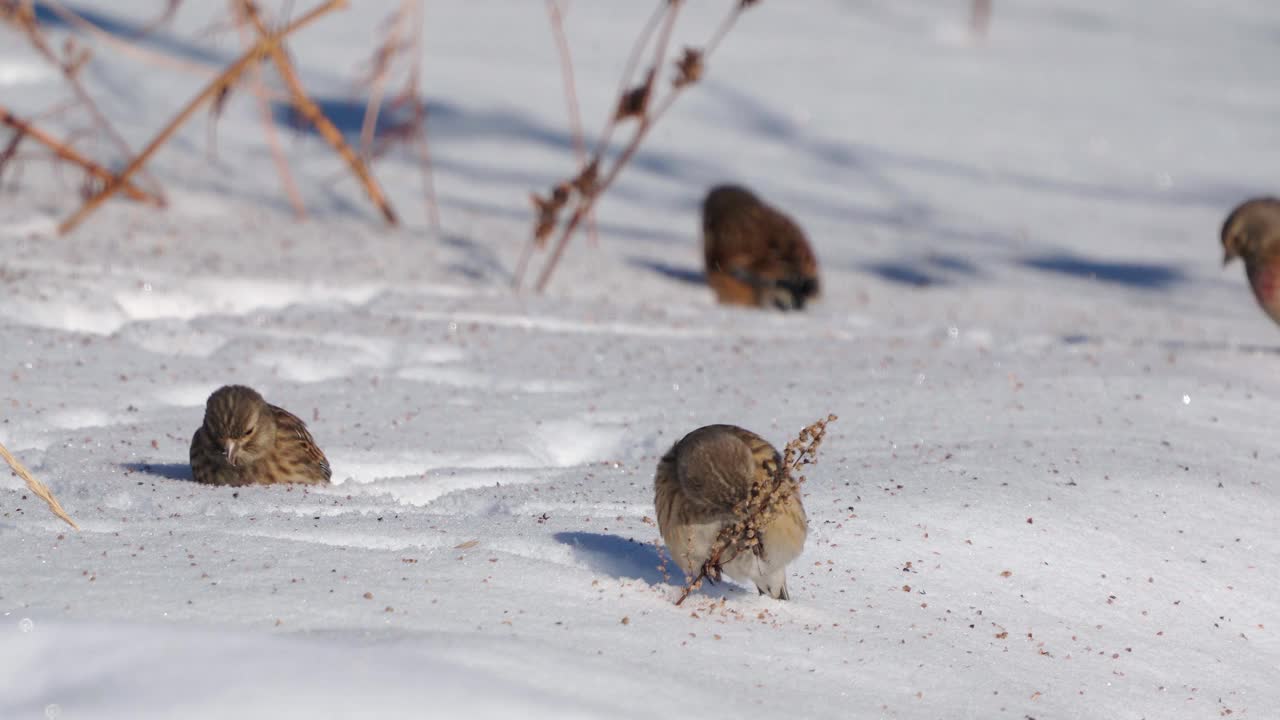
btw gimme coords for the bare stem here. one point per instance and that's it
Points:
(68, 153)
(312, 112)
(216, 86)
(628, 72)
(378, 83)
(70, 73)
(260, 95)
(420, 110)
(556, 14)
(647, 112)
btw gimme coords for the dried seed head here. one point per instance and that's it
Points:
(766, 498)
(560, 195)
(587, 183)
(689, 67)
(635, 102)
(548, 212)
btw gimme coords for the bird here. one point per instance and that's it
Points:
(1252, 232)
(700, 488)
(245, 440)
(755, 254)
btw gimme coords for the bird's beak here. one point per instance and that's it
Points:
(1227, 257)
(231, 451)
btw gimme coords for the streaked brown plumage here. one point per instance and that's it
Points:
(1252, 233)
(697, 484)
(754, 253)
(247, 441)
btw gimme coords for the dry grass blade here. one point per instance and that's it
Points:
(767, 496)
(66, 152)
(37, 487)
(314, 115)
(217, 86)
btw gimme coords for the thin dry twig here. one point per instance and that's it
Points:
(556, 12)
(217, 86)
(314, 115)
(392, 45)
(421, 116)
(126, 47)
(262, 97)
(548, 209)
(764, 500)
(628, 72)
(633, 102)
(980, 19)
(404, 39)
(64, 151)
(22, 14)
(40, 489)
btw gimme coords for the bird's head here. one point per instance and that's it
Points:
(724, 200)
(792, 293)
(1252, 230)
(240, 422)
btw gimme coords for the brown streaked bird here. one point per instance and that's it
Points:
(755, 254)
(697, 484)
(247, 441)
(1252, 233)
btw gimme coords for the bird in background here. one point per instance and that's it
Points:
(696, 487)
(1252, 233)
(247, 441)
(755, 254)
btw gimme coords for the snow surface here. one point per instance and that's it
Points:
(1051, 492)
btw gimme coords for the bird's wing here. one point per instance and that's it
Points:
(291, 426)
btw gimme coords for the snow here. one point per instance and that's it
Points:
(1049, 493)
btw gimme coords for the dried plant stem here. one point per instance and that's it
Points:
(378, 83)
(664, 39)
(70, 74)
(602, 142)
(312, 112)
(980, 18)
(556, 11)
(215, 87)
(126, 47)
(636, 102)
(66, 152)
(556, 14)
(428, 175)
(522, 264)
(420, 109)
(261, 97)
(629, 71)
(588, 201)
(766, 498)
(37, 487)
(9, 152)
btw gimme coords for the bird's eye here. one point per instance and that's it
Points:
(248, 432)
